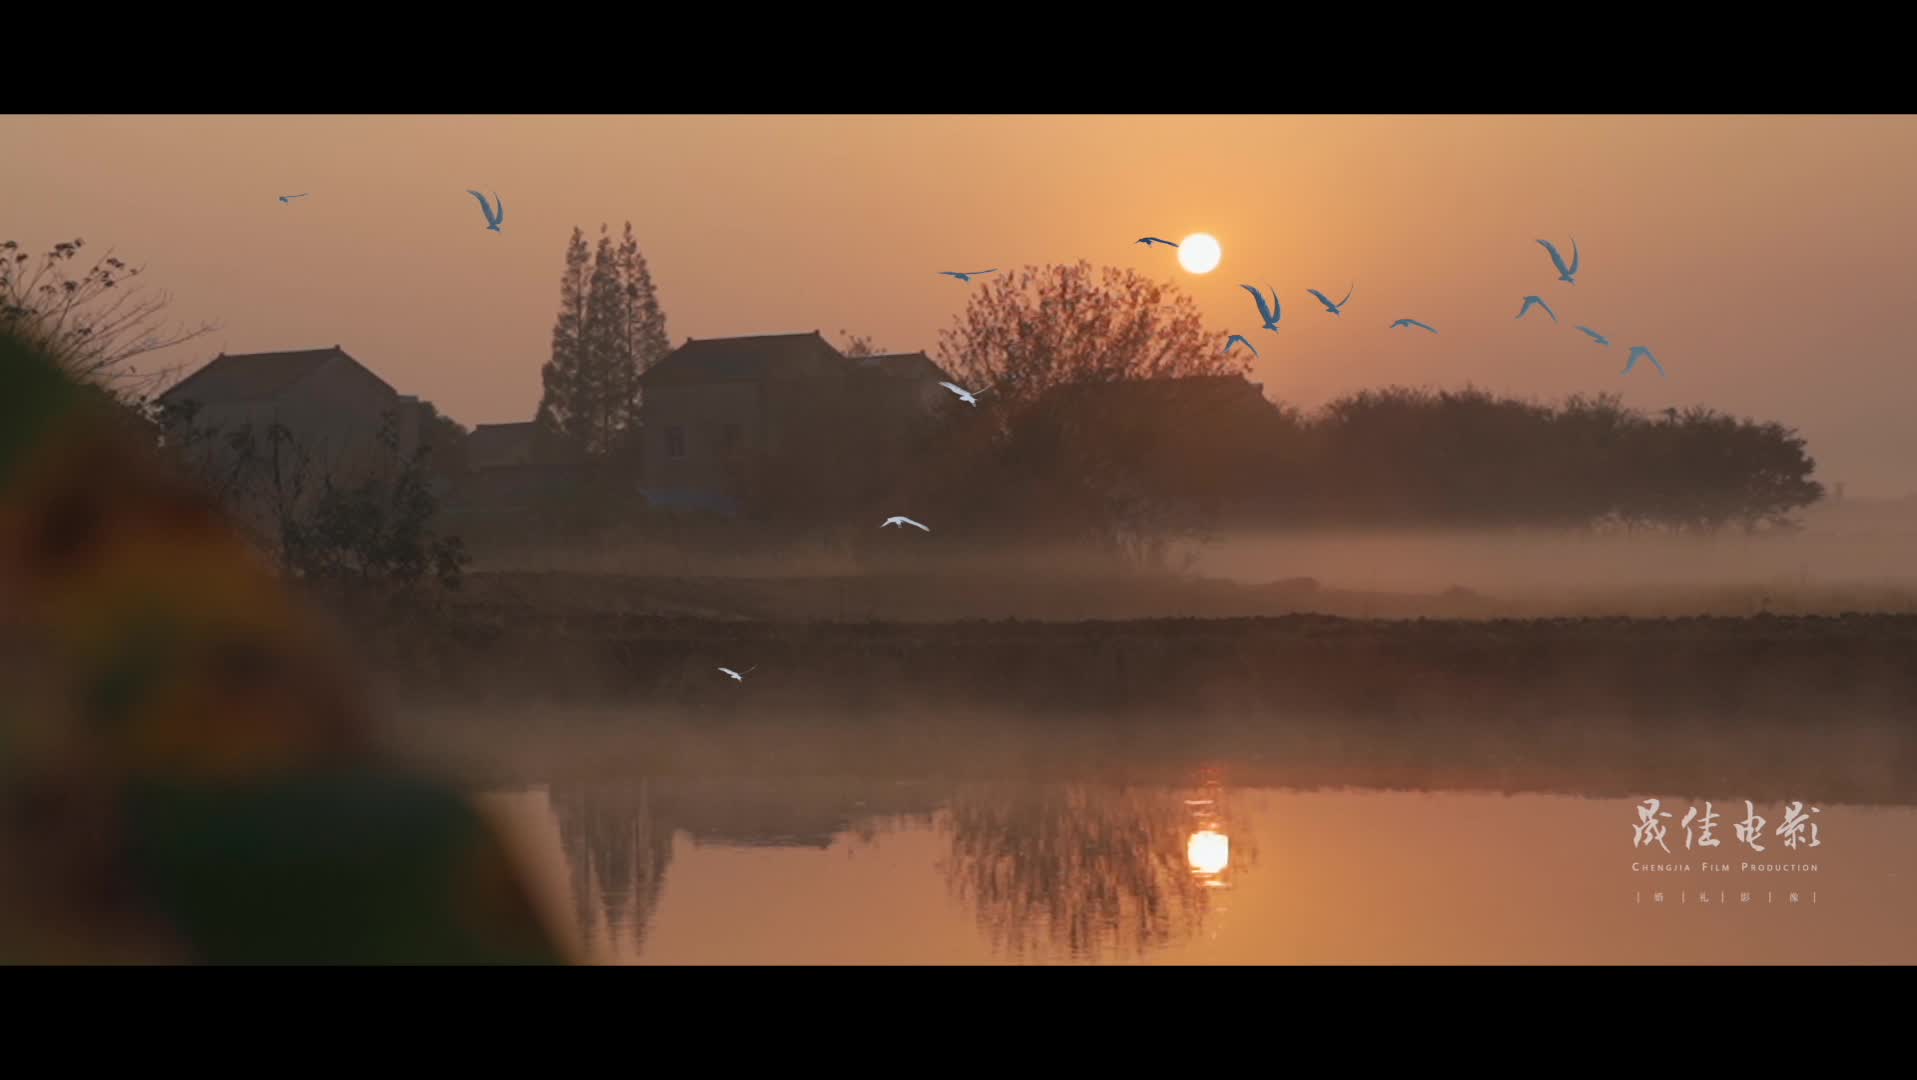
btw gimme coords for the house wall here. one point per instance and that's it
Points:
(702, 412)
(334, 415)
(500, 454)
(804, 441)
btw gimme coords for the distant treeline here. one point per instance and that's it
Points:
(1469, 458)
(1132, 466)
(1145, 461)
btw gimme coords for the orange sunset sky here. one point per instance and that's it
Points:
(1767, 261)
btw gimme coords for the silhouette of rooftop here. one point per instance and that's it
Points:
(256, 376)
(500, 444)
(738, 359)
(913, 365)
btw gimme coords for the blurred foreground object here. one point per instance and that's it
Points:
(187, 767)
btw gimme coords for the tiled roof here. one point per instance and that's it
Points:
(747, 358)
(915, 365)
(254, 376)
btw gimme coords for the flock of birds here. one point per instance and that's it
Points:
(1270, 312)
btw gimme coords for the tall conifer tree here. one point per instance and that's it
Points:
(561, 406)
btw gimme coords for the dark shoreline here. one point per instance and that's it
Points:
(1857, 762)
(1758, 670)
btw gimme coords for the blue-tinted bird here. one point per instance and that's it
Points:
(290, 198)
(1637, 351)
(1595, 336)
(967, 275)
(495, 213)
(1537, 301)
(1235, 339)
(1271, 312)
(1413, 322)
(1565, 273)
(1148, 241)
(1329, 306)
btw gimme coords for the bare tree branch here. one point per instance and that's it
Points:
(95, 339)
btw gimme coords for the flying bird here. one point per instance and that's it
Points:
(1565, 273)
(1271, 312)
(1637, 351)
(1595, 336)
(901, 520)
(1329, 306)
(1413, 322)
(495, 213)
(970, 397)
(1537, 301)
(969, 274)
(290, 198)
(1148, 241)
(739, 676)
(1235, 339)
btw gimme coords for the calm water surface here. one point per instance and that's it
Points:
(656, 870)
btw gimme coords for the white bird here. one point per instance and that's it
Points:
(969, 274)
(1636, 351)
(1537, 301)
(1235, 339)
(739, 676)
(902, 520)
(1565, 273)
(970, 397)
(495, 214)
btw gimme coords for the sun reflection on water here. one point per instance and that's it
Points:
(1209, 852)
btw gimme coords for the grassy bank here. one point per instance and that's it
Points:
(1766, 668)
(1071, 597)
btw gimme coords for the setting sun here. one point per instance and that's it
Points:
(1199, 253)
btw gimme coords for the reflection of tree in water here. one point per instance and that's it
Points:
(1083, 870)
(617, 847)
(617, 836)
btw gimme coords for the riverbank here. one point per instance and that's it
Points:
(1760, 669)
(1858, 760)
(1066, 597)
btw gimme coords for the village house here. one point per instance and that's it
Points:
(500, 446)
(331, 408)
(331, 405)
(740, 424)
(516, 469)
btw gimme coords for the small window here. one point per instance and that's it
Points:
(675, 442)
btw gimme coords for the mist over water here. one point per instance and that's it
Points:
(1425, 560)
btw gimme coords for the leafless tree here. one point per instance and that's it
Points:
(1035, 328)
(93, 323)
